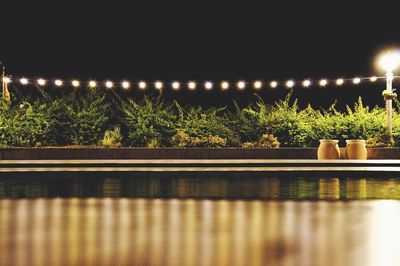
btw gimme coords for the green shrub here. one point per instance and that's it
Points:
(29, 125)
(90, 117)
(286, 122)
(148, 123)
(54, 120)
(5, 125)
(379, 141)
(245, 123)
(266, 141)
(182, 140)
(61, 114)
(81, 117)
(112, 138)
(357, 123)
(249, 145)
(199, 123)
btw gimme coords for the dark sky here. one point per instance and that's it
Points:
(201, 41)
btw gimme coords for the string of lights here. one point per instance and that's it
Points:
(192, 85)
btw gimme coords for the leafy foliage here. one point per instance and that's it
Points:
(80, 117)
(148, 123)
(266, 141)
(182, 140)
(201, 124)
(286, 122)
(245, 123)
(112, 138)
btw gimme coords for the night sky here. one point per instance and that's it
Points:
(199, 41)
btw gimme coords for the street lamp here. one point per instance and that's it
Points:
(4, 83)
(389, 61)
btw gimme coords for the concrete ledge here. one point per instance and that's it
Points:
(177, 153)
(199, 165)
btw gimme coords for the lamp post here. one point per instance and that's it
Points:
(389, 88)
(389, 61)
(3, 82)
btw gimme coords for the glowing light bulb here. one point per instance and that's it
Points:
(257, 84)
(241, 85)
(125, 84)
(356, 80)
(224, 85)
(158, 85)
(389, 61)
(109, 84)
(208, 85)
(176, 85)
(75, 83)
(24, 81)
(273, 84)
(7, 80)
(92, 83)
(41, 82)
(306, 83)
(290, 83)
(142, 85)
(192, 85)
(339, 82)
(58, 82)
(323, 82)
(373, 79)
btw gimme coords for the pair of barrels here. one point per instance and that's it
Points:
(329, 149)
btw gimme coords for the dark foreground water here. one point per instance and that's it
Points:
(199, 220)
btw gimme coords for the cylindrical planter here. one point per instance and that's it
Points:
(328, 149)
(356, 149)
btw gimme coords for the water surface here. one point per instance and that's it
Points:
(199, 220)
(202, 186)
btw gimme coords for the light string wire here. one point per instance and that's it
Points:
(191, 84)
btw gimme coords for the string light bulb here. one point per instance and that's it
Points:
(192, 85)
(142, 85)
(125, 84)
(109, 84)
(339, 82)
(176, 85)
(356, 80)
(224, 85)
(273, 84)
(75, 83)
(41, 82)
(323, 82)
(58, 82)
(373, 79)
(208, 85)
(92, 83)
(290, 83)
(158, 85)
(257, 84)
(306, 83)
(24, 81)
(241, 85)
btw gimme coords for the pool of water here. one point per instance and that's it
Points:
(199, 220)
(202, 186)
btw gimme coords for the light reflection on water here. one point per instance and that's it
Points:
(199, 220)
(122, 231)
(247, 187)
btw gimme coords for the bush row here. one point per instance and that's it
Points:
(106, 119)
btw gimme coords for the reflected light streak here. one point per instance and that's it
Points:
(385, 233)
(105, 231)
